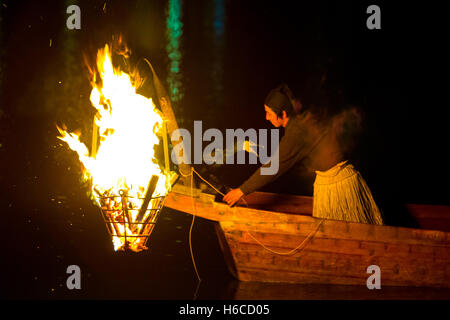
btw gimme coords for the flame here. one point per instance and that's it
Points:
(128, 125)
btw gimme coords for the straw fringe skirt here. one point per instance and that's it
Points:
(341, 193)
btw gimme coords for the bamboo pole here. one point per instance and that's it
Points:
(172, 125)
(148, 196)
(166, 148)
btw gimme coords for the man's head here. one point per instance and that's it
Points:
(278, 105)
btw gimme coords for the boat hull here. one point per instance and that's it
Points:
(270, 246)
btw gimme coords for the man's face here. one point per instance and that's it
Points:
(272, 117)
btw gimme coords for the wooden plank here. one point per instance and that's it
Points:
(302, 205)
(429, 211)
(264, 221)
(224, 246)
(431, 217)
(274, 276)
(428, 216)
(280, 202)
(346, 264)
(286, 243)
(200, 204)
(204, 206)
(339, 268)
(347, 230)
(256, 274)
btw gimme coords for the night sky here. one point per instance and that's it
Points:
(218, 60)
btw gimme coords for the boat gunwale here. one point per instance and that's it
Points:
(204, 205)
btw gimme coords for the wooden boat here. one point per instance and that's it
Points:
(276, 239)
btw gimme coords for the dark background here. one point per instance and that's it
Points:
(232, 54)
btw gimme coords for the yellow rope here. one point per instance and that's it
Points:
(310, 235)
(192, 223)
(207, 182)
(304, 242)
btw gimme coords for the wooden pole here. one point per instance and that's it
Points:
(172, 125)
(166, 148)
(148, 196)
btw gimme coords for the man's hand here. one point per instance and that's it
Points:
(233, 196)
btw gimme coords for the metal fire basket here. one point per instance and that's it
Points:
(118, 217)
(116, 211)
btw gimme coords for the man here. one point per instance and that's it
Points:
(340, 192)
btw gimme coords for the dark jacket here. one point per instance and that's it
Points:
(306, 142)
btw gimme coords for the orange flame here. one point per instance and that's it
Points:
(125, 161)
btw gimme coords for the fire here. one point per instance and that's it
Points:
(121, 169)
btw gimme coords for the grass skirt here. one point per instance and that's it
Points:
(341, 193)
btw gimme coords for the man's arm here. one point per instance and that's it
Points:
(290, 151)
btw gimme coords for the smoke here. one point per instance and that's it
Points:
(347, 126)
